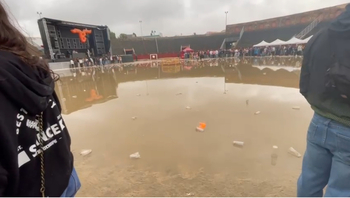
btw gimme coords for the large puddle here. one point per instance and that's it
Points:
(168, 100)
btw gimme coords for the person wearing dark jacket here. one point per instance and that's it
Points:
(327, 157)
(35, 159)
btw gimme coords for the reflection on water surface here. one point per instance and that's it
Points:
(80, 88)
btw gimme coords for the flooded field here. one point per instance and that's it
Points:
(154, 108)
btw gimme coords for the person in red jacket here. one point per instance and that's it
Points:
(35, 159)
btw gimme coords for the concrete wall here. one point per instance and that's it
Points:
(170, 44)
(325, 14)
(61, 68)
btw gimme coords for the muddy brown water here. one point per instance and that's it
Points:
(175, 159)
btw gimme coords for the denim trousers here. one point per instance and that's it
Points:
(73, 185)
(326, 161)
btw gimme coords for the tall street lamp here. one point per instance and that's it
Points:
(141, 28)
(226, 12)
(39, 13)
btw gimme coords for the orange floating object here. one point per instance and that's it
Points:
(202, 125)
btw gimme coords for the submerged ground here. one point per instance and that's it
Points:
(175, 159)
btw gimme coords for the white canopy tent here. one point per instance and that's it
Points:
(307, 39)
(276, 42)
(262, 43)
(294, 41)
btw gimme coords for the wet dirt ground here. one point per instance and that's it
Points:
(178, 161)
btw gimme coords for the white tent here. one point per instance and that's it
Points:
(294, 40)
(276, 42)
(307, 39)
(262, 43)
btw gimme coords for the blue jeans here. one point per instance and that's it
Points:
(73, 185)
(326, 160)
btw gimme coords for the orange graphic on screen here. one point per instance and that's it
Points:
(82, 33)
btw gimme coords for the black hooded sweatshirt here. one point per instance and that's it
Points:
(25, 92)
(318, 57)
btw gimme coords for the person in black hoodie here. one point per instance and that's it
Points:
(327, 157)
(35, 159)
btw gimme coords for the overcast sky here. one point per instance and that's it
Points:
(170, 17)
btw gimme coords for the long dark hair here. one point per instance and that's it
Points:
(14, 41)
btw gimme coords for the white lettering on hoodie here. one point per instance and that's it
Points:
(49, 135)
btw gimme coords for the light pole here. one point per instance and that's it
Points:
(226, 12)
(39, 13)
(141, 28)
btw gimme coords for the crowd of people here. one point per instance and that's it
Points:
(285, 50)
(95, 61)
(290, 50)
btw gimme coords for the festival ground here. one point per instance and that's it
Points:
(178, 161)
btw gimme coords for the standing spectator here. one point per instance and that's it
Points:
(36, 159)
(71, 64)
(300, 50)
(81, 63)
(325, 85)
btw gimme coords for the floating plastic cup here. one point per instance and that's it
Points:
(238, 143)
(294, 152)
(202, 125)
(135, 155)
(85, 152)
(274, 155)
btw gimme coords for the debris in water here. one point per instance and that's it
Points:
(274, 155)
(134, 118)
(189, 194)
(238, 143)
(188, 107)
(264, 74)
(135, 155)
(199, 129)
(85, 152)
(296, 108)
(294, 152)
(257, 113)
(202, 125)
